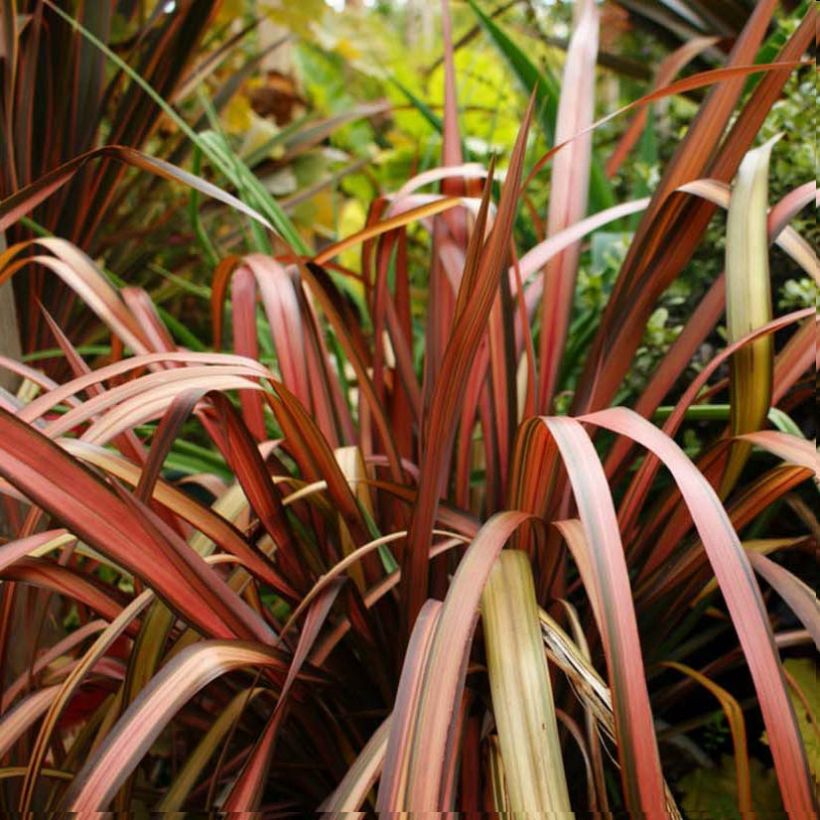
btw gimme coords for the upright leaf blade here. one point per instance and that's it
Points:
(568, 194)
(748, 303)
(521, 692)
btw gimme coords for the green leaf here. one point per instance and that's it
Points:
(804, 673)
(713, 792)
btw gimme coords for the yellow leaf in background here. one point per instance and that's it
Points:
(362, 39)
(259, 132)
(230, 10)
(323, 212)
(397, 138)
(237, 115)
(296, 17)
(351, 219)
(315, 217)
(346, 49)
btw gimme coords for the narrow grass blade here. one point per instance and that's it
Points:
(542, 84)
(703, 79)
(778, 231)
(672, 229)
(46, 402)
(105, 600)
(26, 199)
(20, 719)
(451, 141)
(249, 787)
(242, 453)
(83, 276)
(33, 545)
(277, 289)
(539, 81)
(211, 524)
(643, 478)
(316, 459)
(797, 356)
(790, 363)
(225, 161)
(68, 689)
(246, 343)
(432, 208)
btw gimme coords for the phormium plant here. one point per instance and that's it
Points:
(380, 572)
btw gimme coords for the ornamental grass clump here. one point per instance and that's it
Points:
(346, 554)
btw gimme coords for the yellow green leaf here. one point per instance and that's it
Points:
(713, 792)
(521, 692)
(748, 303)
